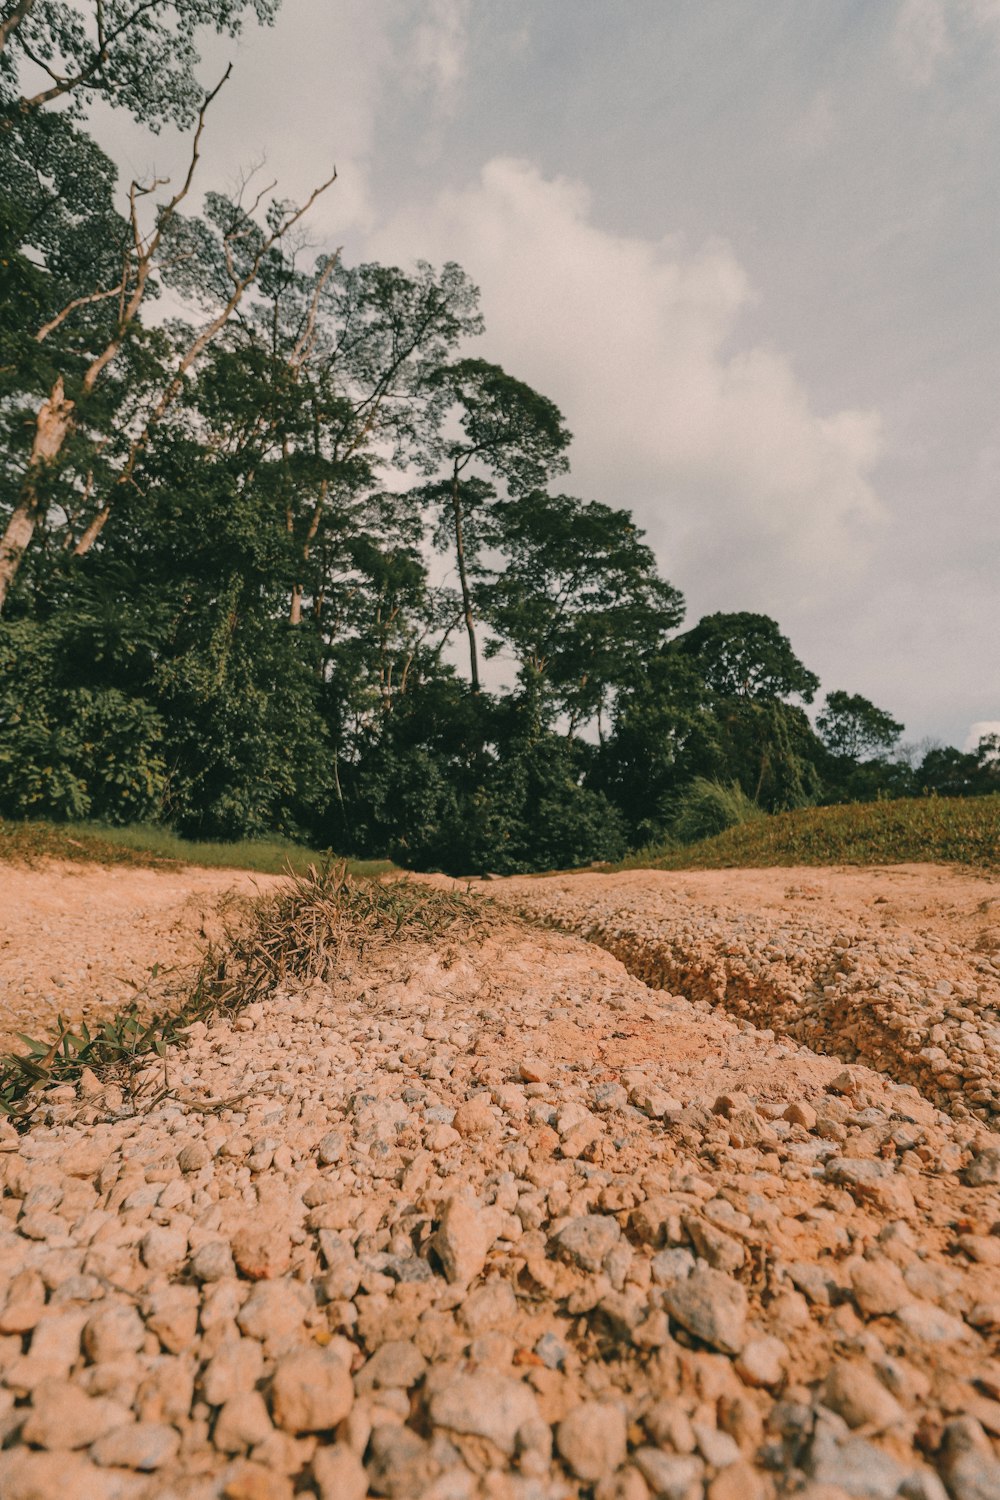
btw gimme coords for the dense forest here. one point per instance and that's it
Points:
(267, 516)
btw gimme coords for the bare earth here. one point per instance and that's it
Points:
(82, 940)
(521, 1221)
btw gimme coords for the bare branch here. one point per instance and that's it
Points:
(304, 343)
(71, 307)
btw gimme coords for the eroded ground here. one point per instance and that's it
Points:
(498, 1219)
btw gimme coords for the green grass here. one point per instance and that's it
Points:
(26, 843)
(945, 830)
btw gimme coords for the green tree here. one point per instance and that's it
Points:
(136, 55)
(506, 428)
(745, 655)
(852, 726)
(577, 596)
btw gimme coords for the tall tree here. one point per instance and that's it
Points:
(745, 655)
(578, 597)
(850, 725)
(506, 428)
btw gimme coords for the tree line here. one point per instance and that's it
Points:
(256, 555)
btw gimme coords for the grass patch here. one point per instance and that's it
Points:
(943, 830)
(302, 931)
(151, 847)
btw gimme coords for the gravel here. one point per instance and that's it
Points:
(498, 1221)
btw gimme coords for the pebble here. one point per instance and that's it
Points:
(592, 1439)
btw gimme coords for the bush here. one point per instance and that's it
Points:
(706, 808)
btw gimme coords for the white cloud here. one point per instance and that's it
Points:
(928, 31)
(716, 447)
(921, 39)
(977, 732)
(438, 47)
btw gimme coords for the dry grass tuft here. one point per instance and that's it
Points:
(302, 931)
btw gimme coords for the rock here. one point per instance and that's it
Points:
(213, 1261)
(64, 1476)
(397, 1365)
(273, 1313)
(671, 1265)
(669, 1476)
(534, 1070)
(193, 1156)
(25, 1303)
(62, 1416)
(878, 1287)
(491, 1306)
(463, 1239)
(587, 1240)
(802, 1114)
(717, 1448)
(163, 1248)
(854, 1392)
(475, 1118)
(113, 1333)
(932, 1324)
(172, 1314)
(485, 1405)
(852, 1463)
(331, 1148)
(711, 1306)
(236, 1367)
(140, 1445)
(339, 1474)
(262, 1252)
(311, 1391)
(592, 1439)
(399, 1463)
(737, 1481)
(762, 1362)
(242, 1423)
(967, 1463)
(984, 1168)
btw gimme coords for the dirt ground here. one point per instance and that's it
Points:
(596, 1213)
(83, 940)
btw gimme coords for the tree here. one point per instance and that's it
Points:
(577, 596)
(852, 726)
(507, 428)
(137, 55)
(84, 352)
(745, 655)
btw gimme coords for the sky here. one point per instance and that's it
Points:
(749, 248)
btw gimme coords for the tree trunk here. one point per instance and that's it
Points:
(470, 621)
(55, 417)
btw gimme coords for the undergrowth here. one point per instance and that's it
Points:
(157, 848)
(944, 830)
(302, 931)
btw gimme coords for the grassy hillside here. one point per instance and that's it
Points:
(25, 843)
(943, 829)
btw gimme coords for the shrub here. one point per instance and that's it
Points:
(707, 807)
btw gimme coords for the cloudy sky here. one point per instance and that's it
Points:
(749, 247)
